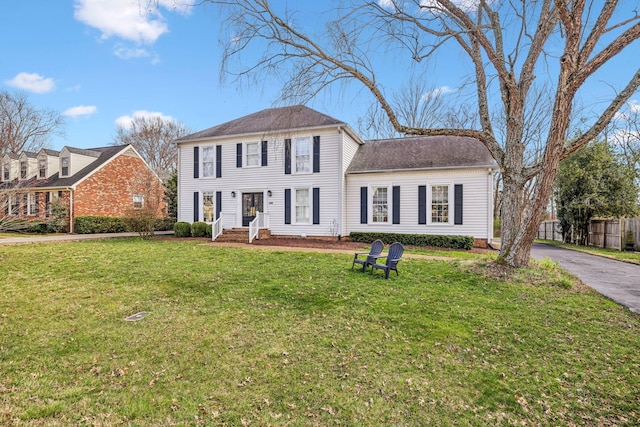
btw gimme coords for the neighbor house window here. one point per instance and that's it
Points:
(6, 173)
(207, 206)
(380, 204)
(302, 205)
(439, 203)
(303, 155)
(208, 161)
(253, 154)
(33, 204)
(15, 204)
(42, 167)
(138, 201)
(23, 169)
(64, 166)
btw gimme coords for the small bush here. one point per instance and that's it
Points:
(165, 223)
(440, 241)
(182, 229)
(98, 224)
(209, 230)
(199, 229)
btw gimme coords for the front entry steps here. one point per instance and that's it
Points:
(240, 235)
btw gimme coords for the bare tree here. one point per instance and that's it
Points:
(23, 127)
(624, 134)
(517, 49)
(148, 195)
(153, 137)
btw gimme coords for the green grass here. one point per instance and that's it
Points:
(240, 336)
(627, 256)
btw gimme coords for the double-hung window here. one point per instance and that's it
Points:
(33, 204)
(302, 206)
(303, 155)
(440, 207)
(6, 171)
(208, 161)
(207, 206)
(23, 169)
(138, 201)
(42, 167)
(253, 154)
(380, 205)
(64, 166)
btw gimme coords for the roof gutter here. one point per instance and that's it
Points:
(422, 169)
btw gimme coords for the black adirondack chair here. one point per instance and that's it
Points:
(370, 258)
(392, 259)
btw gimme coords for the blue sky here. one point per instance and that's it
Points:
(100, 62)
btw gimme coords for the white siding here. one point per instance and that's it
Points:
(265, 178)
(477, 213)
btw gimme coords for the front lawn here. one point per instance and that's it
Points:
(258, 337)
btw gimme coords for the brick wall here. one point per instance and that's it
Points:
(109, 191)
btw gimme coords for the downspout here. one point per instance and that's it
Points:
(342, 182)
(70, 210)
(490, 207)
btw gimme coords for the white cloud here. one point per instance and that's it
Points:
(634, 106)
(124, 52)
(32, 82)
(125, 121)
(81, 110)
(466, 5)
(442, 90)
(131, 20)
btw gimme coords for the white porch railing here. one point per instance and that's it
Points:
(216, 228)
(260, 221)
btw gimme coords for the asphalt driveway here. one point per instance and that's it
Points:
(619, 281)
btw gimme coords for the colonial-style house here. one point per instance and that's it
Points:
(103, 181)
(298, 172)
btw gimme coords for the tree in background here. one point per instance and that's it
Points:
(148, 195)
(23, 127)
(593, 182)
(530, 60)
(171, 194)
(153, 137)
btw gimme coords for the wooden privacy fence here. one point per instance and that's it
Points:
(603, 233)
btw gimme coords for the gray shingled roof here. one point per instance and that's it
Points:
(269, 120)
(103, 155)
(420, 153)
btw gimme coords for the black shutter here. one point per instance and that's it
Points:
(287, 206)
(218, 161)
(396, 204)
(316, 154)
(287, 156)
(218, 203)
(316, 206)
(457, 209)
(239, 155)
(264, 153)
(196, 207)
(196, 161)
(363, 205)
(422, 204)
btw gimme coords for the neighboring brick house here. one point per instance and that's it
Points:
(104, 181)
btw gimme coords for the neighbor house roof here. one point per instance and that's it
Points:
(269, 120)
(420, 153)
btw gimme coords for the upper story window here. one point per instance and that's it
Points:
(208, 161)
(6, 171)
(253, 154)
(303, 155)
(439, 203)
(138, 201)
(380, 204)
(64, 166)
(42, 167)
(23, 169)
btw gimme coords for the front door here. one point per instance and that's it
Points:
(251, 203)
